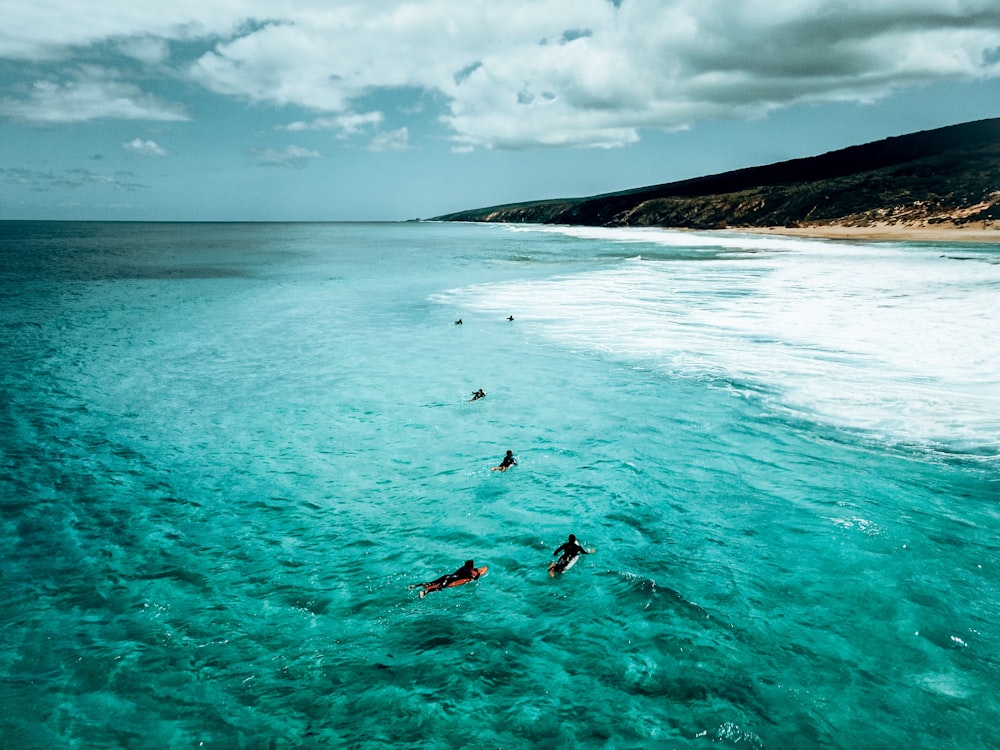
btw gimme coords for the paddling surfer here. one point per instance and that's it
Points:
(467, 572)
(476, 395)
(570, 550)
(507, 462)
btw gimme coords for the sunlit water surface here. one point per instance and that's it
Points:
(228, 450)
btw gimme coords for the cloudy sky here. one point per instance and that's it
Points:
(393, 109)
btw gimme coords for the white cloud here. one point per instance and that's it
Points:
(145, 49)
(290, 156)
(43, 181)
(526, 72)
(393, 140)
(93, 94)
(345, 125)
(50, 29)
(144, 148)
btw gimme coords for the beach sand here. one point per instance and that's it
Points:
(946, 232)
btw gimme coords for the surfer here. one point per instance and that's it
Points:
(510, 318)
(466, 573)
(476, 395)
(570, 550)
(458, 322)
(507, 462)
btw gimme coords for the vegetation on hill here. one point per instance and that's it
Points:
(949, 175)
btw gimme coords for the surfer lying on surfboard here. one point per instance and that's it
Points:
(507, 462)
(570, 550)
(468, 572)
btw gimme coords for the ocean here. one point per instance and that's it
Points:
(229, 450)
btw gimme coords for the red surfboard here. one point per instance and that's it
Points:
(480, 572)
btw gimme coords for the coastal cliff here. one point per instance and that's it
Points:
(944, 177)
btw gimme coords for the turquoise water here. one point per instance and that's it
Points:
(228, 450)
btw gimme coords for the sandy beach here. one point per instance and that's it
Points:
(973, 232)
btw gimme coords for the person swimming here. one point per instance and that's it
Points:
(467, 572)
(570, 550)
(476, 395)
(507, 462)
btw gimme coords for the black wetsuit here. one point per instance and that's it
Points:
(507, 462)
(569, 550)
(462, 574)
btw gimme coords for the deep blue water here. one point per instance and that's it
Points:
(227, 451)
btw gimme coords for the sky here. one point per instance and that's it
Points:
(383, 110)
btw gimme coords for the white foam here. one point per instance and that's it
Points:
(901, 342)
(682, 238)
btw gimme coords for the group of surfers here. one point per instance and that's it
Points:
(568, 551)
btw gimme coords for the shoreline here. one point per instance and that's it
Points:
(985, 232)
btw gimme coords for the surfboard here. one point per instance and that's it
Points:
(462, 581)
(561, 567)
(563, 564)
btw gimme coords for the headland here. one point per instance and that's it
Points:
(931, 185)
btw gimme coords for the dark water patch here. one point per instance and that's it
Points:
(25, 325)
(182, 273)
(197, 580)
(653, 595)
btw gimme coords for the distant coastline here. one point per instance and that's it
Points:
(941, 184)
